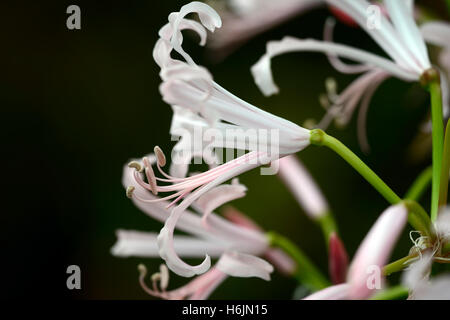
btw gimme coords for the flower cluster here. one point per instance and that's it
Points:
(208, 119)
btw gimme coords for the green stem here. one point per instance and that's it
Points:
(443, 191)
(438, 143)
(419, 186)
(394, 293)
(320, 138)
(306, 272)
(328, 225)
(399, 264)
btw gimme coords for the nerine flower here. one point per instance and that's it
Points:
(399, 37)
(235, 241)
(364, 275)
(395, 32)
(191, 87)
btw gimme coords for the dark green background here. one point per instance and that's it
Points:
(76, 105)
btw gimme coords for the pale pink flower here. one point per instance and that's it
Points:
(371, 256)
(189, 86)
(219, 235)
(248, 18)
(399, 37)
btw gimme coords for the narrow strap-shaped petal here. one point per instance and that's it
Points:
(262, 69)
(374, 252)
(437, 33)
(384, 34)
(337, 292)
(132, 243)
(243, 265)
(403, 20)
(337, 63)
(208, 17)
(218, 196)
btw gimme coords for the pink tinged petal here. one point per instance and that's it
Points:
(167, 252)
(144, 244)
(220, 230)
(218, 196)
(302, 186)
(200, 287)
(403, 20)
(237, 217)
(208, 288)
(364, 108)
(243, 265)
(281, 261)
(262, 73)
(165, 238)
(437, 33)
(374, 252)
(337, 292)
(334, 60)
(384, 34)
(337, 259)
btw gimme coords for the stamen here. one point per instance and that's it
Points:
(130, 190)
(161, 158)
(136, 165)
(142, 273)
(164, 281)
(150, 176)
(331, 86)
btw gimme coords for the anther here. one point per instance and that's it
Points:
(151, 179)
(142, 270)
(331, 86)
(130, 190)
(160, 157)
(136, 165)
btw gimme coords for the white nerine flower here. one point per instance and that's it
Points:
(398, 36)
(372, 254)
(303, 187)
(189, 86)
